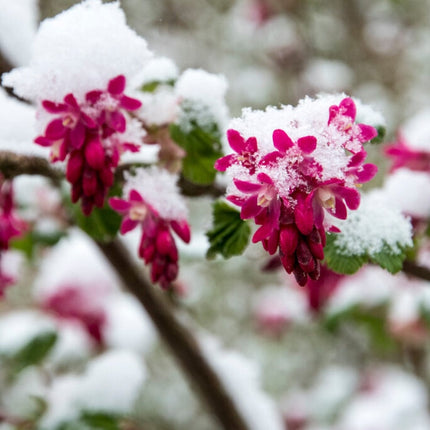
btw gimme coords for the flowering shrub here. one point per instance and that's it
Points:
(164, 176)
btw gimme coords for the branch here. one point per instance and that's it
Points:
(12, 165)
(181, 342)
(411, 268)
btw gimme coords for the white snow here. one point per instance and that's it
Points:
(158, 69)
(405, 189)
(158, 188)
(241, 379)
(205, 94)
(372, 227)
(79, 50)
(112, 382)
(417, 131)
(18, 26)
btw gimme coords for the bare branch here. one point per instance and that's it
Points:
(178, 338)
(413, 269)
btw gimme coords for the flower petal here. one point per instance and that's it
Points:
(236, 141)
(116, 85)
(281, 140)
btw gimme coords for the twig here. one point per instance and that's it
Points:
(178, 338)
(12, 165)
(413, 269)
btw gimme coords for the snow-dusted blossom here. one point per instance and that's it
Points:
(292, 167)
(11, 225)
(87, 136)
(77, 77)
(151, 200)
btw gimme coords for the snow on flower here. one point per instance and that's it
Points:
(85, 113)
(293, 166)
(151, 200)
(62, 49)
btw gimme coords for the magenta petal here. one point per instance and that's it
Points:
(75, 166)
(88, 121)
(251, 145)
(182, 229)
(347, 108)
(264, 178)
(307, 144)
(95, 154)
(127, 225)
(223, 163)
(250, 208)
(236, 200)
(350, 195)
(303, 215)
(116, 85)
(263, 232)
(333, 112)
(367, 173)
(55, 129)
(367, 132)
(288, 239)
(93, 96)
(357, 159)
(117, 121)
(71, 101)
(77, 136)
(43, 141)
(271, 158)
(119, 205)
(134, 196)
(281, 140)
(236, 141)
(246, 187)
(129, 103)
(339, 210)
(52, 107)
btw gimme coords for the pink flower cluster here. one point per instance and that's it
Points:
(88, 136)
(404, 155)
(295, 185)
(157, 245)
(10, 226)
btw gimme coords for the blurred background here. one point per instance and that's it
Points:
(346, 353)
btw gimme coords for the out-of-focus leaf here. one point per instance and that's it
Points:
(100, 421)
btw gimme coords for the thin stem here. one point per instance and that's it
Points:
(178, 338)
(413, 269)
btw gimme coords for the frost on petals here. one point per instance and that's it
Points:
(294, 170)
(88, 136)
(151, 200)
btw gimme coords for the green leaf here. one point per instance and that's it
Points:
(203, 148)
(150, 87)
(230, 234)
(100, 421)
(340, 261)
(102, 225)
(34, 351)
(380, 136)
(29, 242)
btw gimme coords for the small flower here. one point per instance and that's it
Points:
(403, 155)
(309, 168)
(88, 135)
(157, 245)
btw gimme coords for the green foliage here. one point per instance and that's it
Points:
(339, 261)
(28, 243)
(34, 351)
(102, 225)
(372, 320)
(151, 87)
(380, 136)
(230, 234)
(100, 421)
(203, 148)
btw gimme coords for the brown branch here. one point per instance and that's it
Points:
(12, 165)
(413, 269)
(178, 338)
